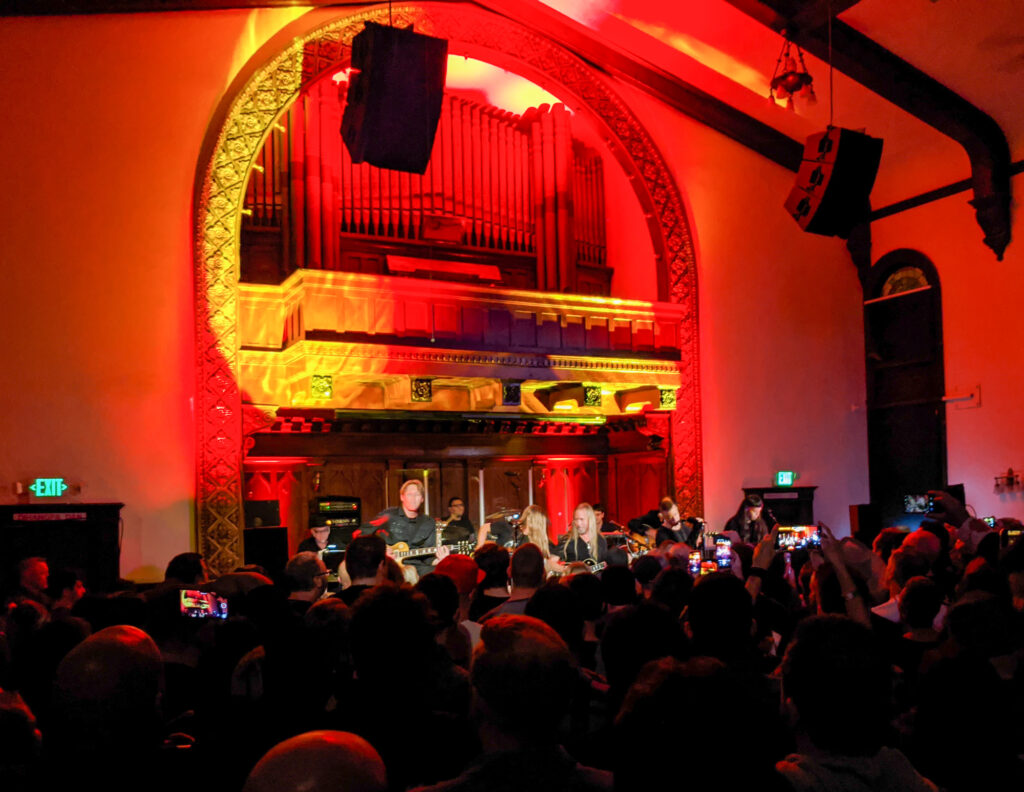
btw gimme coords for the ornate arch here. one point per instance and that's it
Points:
(250, 108)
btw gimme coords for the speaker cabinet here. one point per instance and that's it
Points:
(268, 547)
(834, 181)
(394, 97)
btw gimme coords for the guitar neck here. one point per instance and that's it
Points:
(398, 555)
(461, 548)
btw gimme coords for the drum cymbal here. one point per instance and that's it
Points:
(501, 514)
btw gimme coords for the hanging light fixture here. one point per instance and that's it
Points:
(791, 76)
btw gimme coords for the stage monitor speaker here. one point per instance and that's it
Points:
(834, 181)
(268, 547)
(394, 97)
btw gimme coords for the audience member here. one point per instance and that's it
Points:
(836, 683)
(319, 761)
(365, 563)
(305, 577)
(527, 572)
(490, 592)
(523, 679)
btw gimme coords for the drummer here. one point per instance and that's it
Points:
(605, 527)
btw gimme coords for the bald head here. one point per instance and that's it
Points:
(319, 760)
(924, 543)
(107, 697)
(523, 672)
(119, 664)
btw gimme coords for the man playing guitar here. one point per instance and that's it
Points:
(404, 523)
(584, 542)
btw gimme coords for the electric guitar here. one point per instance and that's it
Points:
(564, 568)
(400, 550)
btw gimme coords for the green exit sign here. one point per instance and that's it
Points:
(784, 478)
(48, 487)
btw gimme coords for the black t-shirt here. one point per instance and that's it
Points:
(460, 530)
(569, 550)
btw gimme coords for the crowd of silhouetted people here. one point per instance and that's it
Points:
(896, 666)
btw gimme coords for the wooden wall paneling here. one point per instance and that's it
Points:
(606, 484)
(621, 333)
(597, 333)
(454, 484)
(433, 506)
(573, 338)
(498, 327)
(446, 321)
(474, 475)
(549, 331)
(524, 329)
(505, 485)
(652, 482)
(417, 316)
(626, 504)
(643, 335)
(291, 488)
(640, 481)
(473, 323)
(365, 480)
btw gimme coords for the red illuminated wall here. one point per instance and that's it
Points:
(101, 146)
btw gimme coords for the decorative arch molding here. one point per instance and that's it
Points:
(303, 52)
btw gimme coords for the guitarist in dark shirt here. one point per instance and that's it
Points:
(583, 542)
(404, 523)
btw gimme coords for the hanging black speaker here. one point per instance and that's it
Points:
(834, 181)
(394, 97)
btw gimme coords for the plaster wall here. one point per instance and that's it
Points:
(104, 117)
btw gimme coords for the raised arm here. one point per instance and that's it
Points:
(856, 607)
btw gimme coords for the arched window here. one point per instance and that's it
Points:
(905, 383)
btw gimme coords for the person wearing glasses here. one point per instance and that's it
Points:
(305, 577)
(458, 527)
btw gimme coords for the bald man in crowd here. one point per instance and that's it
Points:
(319, 761)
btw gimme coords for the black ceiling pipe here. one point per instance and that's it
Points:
(910, 89)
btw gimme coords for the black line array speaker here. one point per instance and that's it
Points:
(834, 181)
(394, 97)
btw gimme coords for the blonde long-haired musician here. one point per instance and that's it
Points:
(535, 528)
(584, 541)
